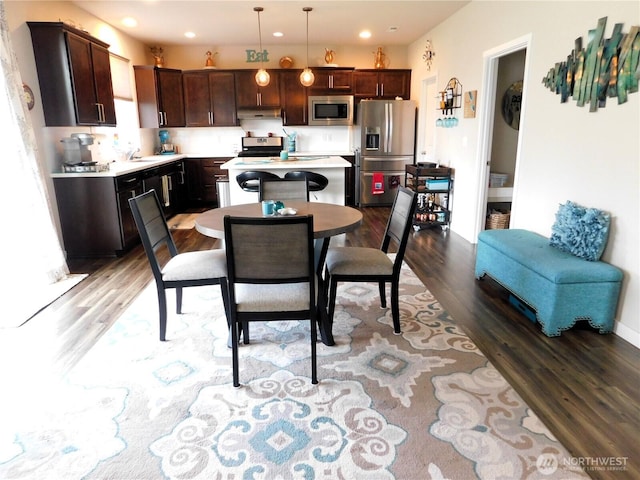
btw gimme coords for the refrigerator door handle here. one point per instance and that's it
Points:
(389, 127)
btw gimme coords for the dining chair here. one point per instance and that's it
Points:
(362, 264)
(271, 275)
(283, 189)
(249, 181)
(188, 269)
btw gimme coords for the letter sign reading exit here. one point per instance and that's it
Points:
(256, 57)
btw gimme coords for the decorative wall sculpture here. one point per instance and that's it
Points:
(606, 68)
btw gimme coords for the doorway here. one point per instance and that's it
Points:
(497, 152)
(426, 147)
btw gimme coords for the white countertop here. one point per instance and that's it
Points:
(122, 168)
(274, 163)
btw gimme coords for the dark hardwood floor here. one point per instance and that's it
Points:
(584, 386)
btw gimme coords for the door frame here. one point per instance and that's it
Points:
(427, 104)
(486, 111)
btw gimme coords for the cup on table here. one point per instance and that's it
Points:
(268, 207)
(284, 155)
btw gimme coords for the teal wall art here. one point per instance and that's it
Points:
(605, 68)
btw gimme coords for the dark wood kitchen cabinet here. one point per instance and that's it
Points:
(293, 96)
(381, 84)
(202, 175)
(160, 96)
(250, 95)
(350, 181)
(95, 216)
(74, 74)
(332, 81)
(209, 99)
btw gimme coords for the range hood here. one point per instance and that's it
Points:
(258, 113)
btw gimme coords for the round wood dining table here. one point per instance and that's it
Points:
(328, 220)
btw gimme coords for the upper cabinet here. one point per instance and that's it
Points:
(250, 95)
(293, 97)
(74, 75)
(160, 97)
(209, 99)
(382, 84)
(330, 80)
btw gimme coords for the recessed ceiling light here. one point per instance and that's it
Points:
(189, 34)
(365, 34)
(278, 34)
(129, 22)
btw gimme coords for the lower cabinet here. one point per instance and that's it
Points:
(95, 216)
(350, 181)
(202, 175)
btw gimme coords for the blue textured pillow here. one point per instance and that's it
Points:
(580, 231)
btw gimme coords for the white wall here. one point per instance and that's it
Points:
(567, 153)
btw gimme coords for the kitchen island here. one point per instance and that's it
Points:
(332, 167)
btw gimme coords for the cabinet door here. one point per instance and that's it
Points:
(171, 97)
(82, 80)
(250, 95)
(330, 81)
(104, 84)
(128, 229)
(395, 84)
(294, 98)
(365, 84)
(197, 104)
(223, 99)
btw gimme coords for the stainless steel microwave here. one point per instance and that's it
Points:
(331, 110)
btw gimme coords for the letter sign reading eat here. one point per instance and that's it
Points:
(256, 57)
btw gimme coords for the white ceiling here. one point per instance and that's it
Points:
(219, 23)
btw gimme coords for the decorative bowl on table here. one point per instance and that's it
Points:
(286, 211)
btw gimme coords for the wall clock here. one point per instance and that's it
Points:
(28, 96)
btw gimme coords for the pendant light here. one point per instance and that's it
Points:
(306, 77)
(262, 76)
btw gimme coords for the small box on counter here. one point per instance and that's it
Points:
(437, 183)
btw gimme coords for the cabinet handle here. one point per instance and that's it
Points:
(382, 90)
(258, 99)
(377, 88)
(210, 118)
(330, 81)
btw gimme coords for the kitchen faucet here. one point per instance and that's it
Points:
(131, 154)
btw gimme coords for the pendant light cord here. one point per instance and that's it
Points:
(259, 9)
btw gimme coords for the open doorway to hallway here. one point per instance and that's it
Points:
(501, 112)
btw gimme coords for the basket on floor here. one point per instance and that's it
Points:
(497, 220)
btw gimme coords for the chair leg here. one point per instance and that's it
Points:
(234, 353)
(245, 332)
(333, 289)
(179, 300)
(395, 306)
(383, 295)
(162, 310)
(314, 366)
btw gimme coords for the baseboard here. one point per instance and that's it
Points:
(627, 334)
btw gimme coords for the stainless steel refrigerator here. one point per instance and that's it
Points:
(387, 145)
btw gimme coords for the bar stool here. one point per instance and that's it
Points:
(250, 181)
(316, 181)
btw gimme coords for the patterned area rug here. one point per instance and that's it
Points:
(423, 405)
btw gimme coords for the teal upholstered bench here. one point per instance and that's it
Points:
(562, 288)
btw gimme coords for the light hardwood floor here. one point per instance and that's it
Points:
(584, 386)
